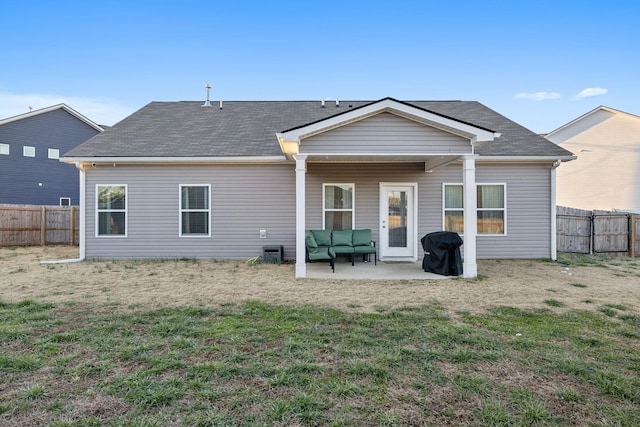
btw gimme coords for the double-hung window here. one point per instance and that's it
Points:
(491, 208)
(195, 210)
(111, 212)
(337, 206)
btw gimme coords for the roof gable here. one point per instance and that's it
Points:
(290, 139)
(49, 109)
(584, 122)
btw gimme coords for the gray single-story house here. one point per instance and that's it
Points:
(187, 179)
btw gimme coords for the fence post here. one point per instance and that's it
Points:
(592, 233)
(632, 235)
(43, 226)
(72, 226)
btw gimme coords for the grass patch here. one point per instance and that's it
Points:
(554, 303)
(262, 364)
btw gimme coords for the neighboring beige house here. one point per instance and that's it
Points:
(606, 174)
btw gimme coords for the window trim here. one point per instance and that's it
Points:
(5, 149)
(125, 210)
(68, 199)
(478, 184)
(181, 211)
(353, 203)
(53, 153)
(26, 149)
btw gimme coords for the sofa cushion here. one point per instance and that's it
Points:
(341, 238)
(323, 237)
(361, 237)
(310, 240)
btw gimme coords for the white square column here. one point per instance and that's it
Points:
(470, 204)
(301, 170)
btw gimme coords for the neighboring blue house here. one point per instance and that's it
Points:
(30, 147)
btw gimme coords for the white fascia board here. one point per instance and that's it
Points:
(526, 158)
(52, 108)
(473, 133)
(201, 160)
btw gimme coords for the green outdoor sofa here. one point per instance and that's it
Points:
(327, 244)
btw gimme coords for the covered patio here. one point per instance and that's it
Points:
(388, 131)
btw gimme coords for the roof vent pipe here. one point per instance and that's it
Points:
(207, 103)
(337, 103)
(322, 101)
(221, 104)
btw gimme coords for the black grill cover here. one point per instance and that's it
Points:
(442, 253)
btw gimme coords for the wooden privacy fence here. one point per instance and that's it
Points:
(584, 231)
(39, 225)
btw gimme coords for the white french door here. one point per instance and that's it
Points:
(398, 221)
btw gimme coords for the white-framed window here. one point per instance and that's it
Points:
(28, 151)
(337, 206)
(65, 201)
(53, 153)
(492, 208)
(4, 149)
(111, 212)
(195, 210)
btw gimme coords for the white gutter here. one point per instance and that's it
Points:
(482, 158)
(81, 226)
(554, 228)
(201, 160)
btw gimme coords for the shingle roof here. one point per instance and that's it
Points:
(248, 128)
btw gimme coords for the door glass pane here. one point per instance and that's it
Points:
(397, 218)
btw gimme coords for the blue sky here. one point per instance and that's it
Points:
(540, 63)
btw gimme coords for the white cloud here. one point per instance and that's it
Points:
(591, 91)
(538, 96)
(103, 111)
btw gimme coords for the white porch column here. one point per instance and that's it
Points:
(301, 170)
(470, 204)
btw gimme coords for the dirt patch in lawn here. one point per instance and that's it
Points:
(577, 282)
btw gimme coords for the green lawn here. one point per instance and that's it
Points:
(261, 364)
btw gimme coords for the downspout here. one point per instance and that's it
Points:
(83, 210)
(554, 229)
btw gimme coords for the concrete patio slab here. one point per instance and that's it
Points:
(370, 271)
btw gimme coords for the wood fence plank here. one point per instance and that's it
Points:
(584, 231)
(22, 225)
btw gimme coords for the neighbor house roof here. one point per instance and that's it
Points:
(249, 128)
(53, 108)
(553, 135)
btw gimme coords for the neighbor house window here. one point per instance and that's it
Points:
(195, 210)
(28, 151)
(65, 201)
(4, 149)
(111, 212)
(53, 153)
(338, 206)
(491, 208)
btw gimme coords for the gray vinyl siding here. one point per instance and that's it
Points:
(528, 201)
(528, 209)
(385, 133)
(21, 176)
(248, 198)
(244, 200)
